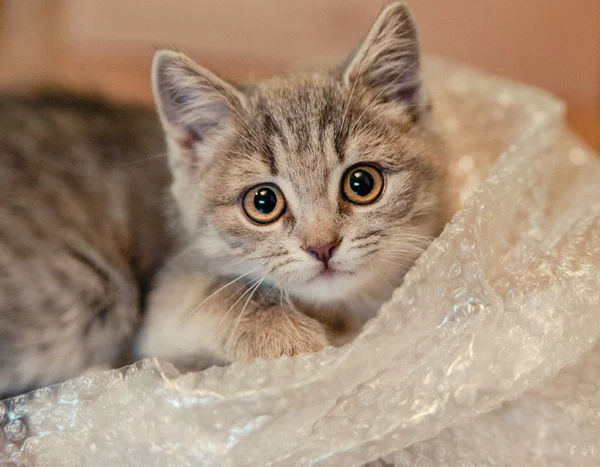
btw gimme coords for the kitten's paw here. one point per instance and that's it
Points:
(272, 333)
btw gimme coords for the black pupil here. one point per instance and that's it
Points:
(361, 183)
(265, 201)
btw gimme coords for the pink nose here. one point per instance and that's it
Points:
(323, 253)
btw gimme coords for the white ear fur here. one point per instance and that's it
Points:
(192, 102)
(388, 60)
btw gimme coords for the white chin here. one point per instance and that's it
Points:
(327, 289)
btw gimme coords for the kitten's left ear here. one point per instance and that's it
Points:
(388, 60)
(194, 104)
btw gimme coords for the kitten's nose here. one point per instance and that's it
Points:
(323, 252)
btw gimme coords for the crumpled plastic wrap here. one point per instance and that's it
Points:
(487, 354)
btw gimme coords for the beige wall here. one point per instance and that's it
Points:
(107, 45)
(554, 44)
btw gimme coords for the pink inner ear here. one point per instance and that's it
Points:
(188, 141)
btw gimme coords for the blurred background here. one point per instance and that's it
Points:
(107, 46)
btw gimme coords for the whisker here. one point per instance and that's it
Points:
(382, 276)
(403, 261)
(232, 306)
(144, 159)
(406, 256)
(402, 232)
(216, 292)
(403, 255)
(235, 303)
(269, 291)
(281, 298)
(254, 289)
(412, 244)
(409, 257)
(405, 265)
(407, 245)
(404, 249)
(416, 236)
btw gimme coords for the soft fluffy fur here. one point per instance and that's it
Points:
(82, 231)
(83, 224)
(300, 132)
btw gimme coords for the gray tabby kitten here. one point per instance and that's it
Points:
(303, 200)
(297, 205)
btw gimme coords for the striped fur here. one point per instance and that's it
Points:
(81, 232)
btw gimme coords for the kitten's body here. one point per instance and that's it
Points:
(81, 232)
(83, 237)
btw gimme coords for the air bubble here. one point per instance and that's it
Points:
(15, 430)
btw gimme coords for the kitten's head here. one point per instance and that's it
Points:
(325, 184)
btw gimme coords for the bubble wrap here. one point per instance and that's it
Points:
(485, 356)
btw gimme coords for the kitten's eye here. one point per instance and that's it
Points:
(264, 204)
(362, 184)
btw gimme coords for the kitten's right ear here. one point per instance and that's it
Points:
(388, 60)
(193, 103)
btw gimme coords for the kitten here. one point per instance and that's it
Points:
(297, 205)
(303, 200)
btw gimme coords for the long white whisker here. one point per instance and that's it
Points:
(287, 298)
(405, 259)
(404, 249)
(402, 253)
(235, 303)
(269, 291)
(254, 289)
(400, 246)
(281, 298)
(410, 258)
(404, 265)
(413, 243)
(412, 235)
(382, 276)
(216, 292)
(408, 241)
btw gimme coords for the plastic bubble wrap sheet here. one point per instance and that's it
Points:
(485, 356)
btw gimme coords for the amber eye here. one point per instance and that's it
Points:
(263, 204)
(362, 184)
